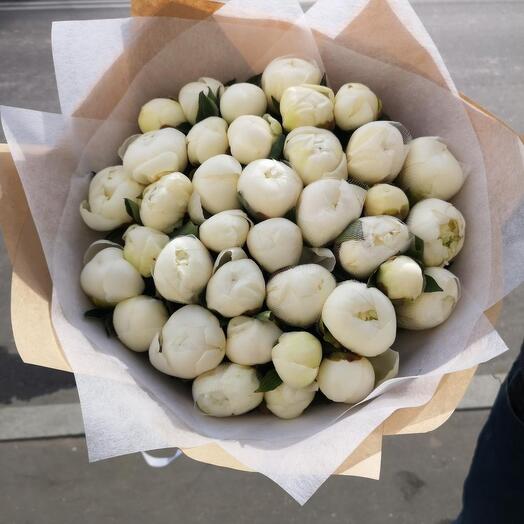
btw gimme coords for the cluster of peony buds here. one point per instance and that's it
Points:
(267, 238)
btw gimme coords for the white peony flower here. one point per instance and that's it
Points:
(369, 241)
(442, 228)
(430, 170)
(142, 247)
(269, 188)
(250, 340)
(165, 202)
(137, 320)
(207, 139)
(188, 95)
(159, 113)
(297, 295)
(307, 105)
(347, 378)
(297, 358)
(287, 402)
(326, 207)
(400, 278)
(215, 182)
(251, 137)
(229, 389)
(375, 153)
(430, 309)
(275, 243)
(190, 343)
(237, 287)
(156, 153)
(385, 199)
(361, 318)
(355, 105)
(315, 153)
(286, 72)
(224, 230)
(242, 99)
(108, 278)
(105, 208)
(182, 269)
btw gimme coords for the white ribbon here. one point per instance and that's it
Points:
(160, 462)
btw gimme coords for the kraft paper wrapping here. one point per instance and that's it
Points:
(102, 80)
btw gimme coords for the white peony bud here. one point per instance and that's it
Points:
(105, 208)
(326, 207)
(190, 343)
(142, 247)
(108, 278)
(159, 113)
(229, 389)
(400, 278)
(242, 99)
(355, 105)
(369, 241)
(137, 320)
(375, 153)
(430, 170)
(269, 188)
(430, 309)
(315, 153)
(347, 378)
(297, 295)
(275, 243)
(296, 358)
(224, 230)
(237, 287)
(251, 137)
(156, 153)
(442, 228)
(286, 72)
(385, 199)
(307, 105)
(206, 139)
(228, 255)
(215, 182)
(361, 318)
(182, 269)
(287, 402)
(188, 95)
(250, 340)
(165, 202)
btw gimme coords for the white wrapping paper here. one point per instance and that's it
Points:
(127, 405)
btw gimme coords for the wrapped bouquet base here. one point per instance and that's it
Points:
(124, 63)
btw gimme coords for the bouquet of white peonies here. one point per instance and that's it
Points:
(260, 239)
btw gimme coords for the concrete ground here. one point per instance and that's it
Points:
(49, 480)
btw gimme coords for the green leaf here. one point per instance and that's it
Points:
(269, 381)
(416, 249)
(214, 96)
(323, 80)
(372, 280)
(353, 232)
(276, 107)
(133, 210)
(255, 79)
(117, 234)
(230, 82)
(327, 337)
(265, 316)
(102, 315)
(431, 285)
(277, 147)
(186, 229)
(207, 106)
(184, 127)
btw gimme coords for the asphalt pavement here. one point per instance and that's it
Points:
(49, 480)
